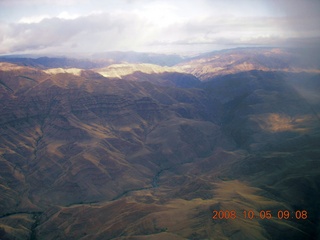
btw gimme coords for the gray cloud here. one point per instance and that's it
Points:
(155, 25)
(33, 2)
(90, 31)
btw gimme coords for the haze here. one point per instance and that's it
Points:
(182, 27)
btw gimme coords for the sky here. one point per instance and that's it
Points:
(160, 26)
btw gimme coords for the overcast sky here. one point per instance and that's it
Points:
(170, 26)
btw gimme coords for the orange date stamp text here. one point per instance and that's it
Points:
(262, 214)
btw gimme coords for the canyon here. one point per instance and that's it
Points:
(116, 149)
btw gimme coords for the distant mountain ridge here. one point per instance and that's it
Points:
(55, 62)
(210, 65)
(89, 61)
(137, 57)
(205, 66)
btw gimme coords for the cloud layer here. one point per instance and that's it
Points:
(156, 26)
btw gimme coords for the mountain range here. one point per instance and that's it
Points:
(142, 146)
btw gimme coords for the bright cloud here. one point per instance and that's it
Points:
(33, 19)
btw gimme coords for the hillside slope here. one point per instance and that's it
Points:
(152, 155)
(232, 61)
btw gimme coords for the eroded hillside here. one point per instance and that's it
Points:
(151, 155)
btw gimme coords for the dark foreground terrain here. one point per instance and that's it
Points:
(152, 155)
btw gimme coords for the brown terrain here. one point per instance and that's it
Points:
(150, 152)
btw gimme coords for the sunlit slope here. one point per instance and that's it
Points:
(124, 69)
(232, 61)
